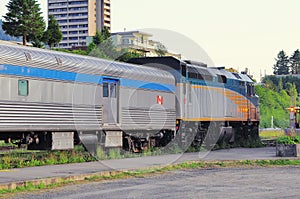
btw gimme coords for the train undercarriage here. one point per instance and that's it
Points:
(188, 134)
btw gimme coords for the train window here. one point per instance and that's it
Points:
(198, 73)
(222, 79)
(113, 90)
(248, 89)
(241, 83)
(252, 89)
(105, 89)
(23, 87)
(183, 70)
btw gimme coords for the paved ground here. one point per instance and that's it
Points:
(69, 170)
(279, 182)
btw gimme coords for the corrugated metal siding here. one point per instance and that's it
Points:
(35, 116)
(145, 118)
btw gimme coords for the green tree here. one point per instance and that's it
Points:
(280, 85)
(98, 38)
(126, 55)
(24, 18)
(273, 103)
(161, 50)
(295, 62)
(275, 80)
(103, 47)
(270, 85)
(105, 50)
(52, 35)
(102, 36)
(36, 42)
(105, 33)
(282, 64)
(292, 92)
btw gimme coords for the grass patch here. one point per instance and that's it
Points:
(160, 170)
(271, 134)
(2, 144)
(21, 159)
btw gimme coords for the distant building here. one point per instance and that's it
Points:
(79, 19)
(139, 42)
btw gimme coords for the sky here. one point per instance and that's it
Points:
(232, 33)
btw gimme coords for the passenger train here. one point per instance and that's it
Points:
(53, 100)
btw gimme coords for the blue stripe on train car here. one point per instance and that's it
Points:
(25, 71)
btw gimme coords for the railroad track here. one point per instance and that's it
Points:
(7, 148)
(269, 142)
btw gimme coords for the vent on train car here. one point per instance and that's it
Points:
(237, 75)
(28, 56)
(59, 61)
(196, 63)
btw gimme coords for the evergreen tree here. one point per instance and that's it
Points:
(292, 92)
(52, 35)
(98, 38)
(295, 62)
(105, 33)
(282, 64)
(280, 85)
(24, 18)
(102, 36)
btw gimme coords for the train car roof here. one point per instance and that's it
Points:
(230, 75)
(54, 60)
(159, 62)
(168, 61)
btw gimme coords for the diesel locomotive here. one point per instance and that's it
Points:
(53, 100)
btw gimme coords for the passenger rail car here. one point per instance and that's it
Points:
(213, 105)
(51, 100)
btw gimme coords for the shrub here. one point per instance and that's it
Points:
(288, 140)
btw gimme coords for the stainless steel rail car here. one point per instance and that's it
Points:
(48, 99)
(213, 105)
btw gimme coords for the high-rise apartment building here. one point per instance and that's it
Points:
(79, 19)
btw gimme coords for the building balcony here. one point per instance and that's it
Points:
(77, 11)
(77, 5)
(107, 1)
(107, 24)
(61, 18)
(139, 46)
(106, 7)
(106, 13)
(57, 7)
(78, 17)
(57, 12)
(74, 0)
(55, 1)
(78, 23)
(63, 24)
